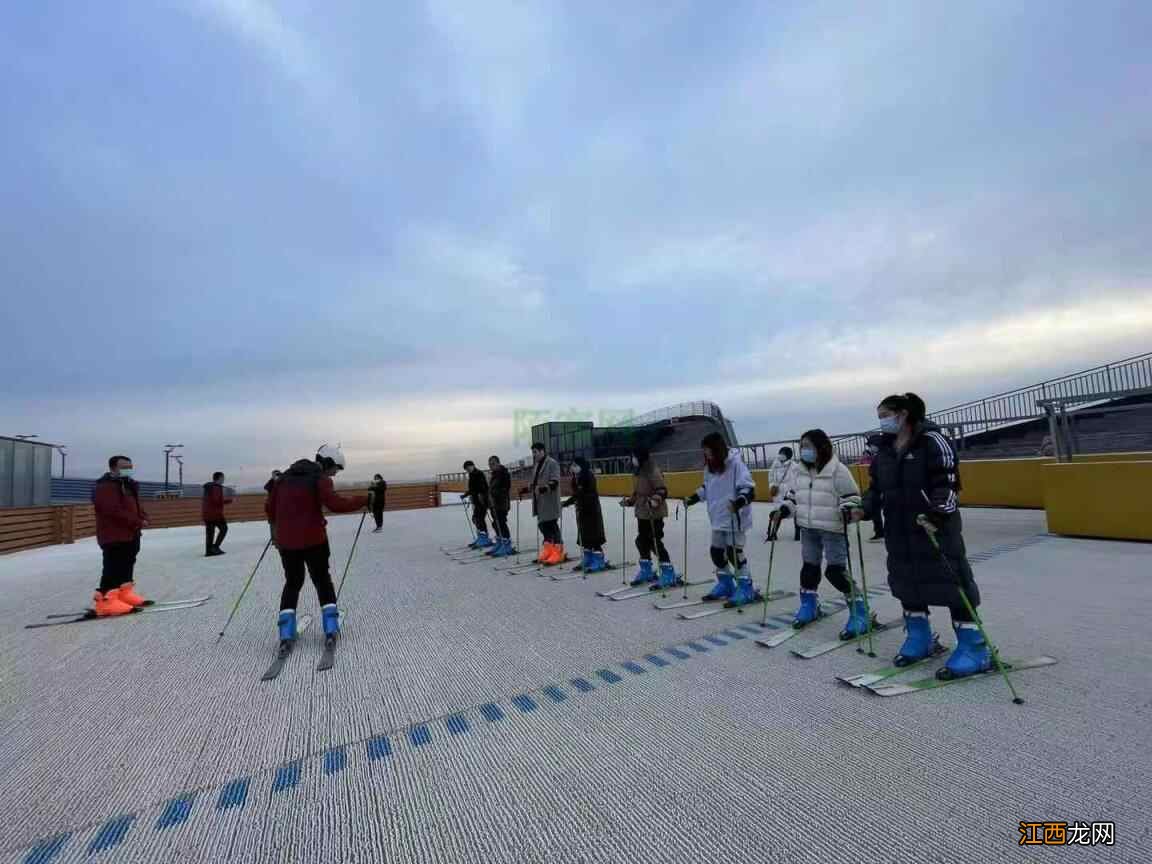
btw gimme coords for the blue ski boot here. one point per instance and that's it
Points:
(724, 588)
(331, 620)
(595, 562)
(644, 575)
(857, 624)
(483, 541)
(809, 610)
(745, 592)
(668, 577)
(286, 623)
(971, 656)
(919, 640)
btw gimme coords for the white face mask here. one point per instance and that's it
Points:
(575, 469)
(126, 472)
(635, 462)
(890, 425)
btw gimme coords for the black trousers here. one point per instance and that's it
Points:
(500, 519)
(550, 528)
(649, 533)
(378, 514)
(315, 560)
(479, 514)
(210, 529)
(959, 613)
(878, 522)
(119, 564)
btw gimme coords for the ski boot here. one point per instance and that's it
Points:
(545, 552)
(331, 616)
(493, 550)
(127, 594)
(970, 657)
(644, 575)
(809, 610)
(503, 548)
(745, 592)
(483, 541)
(919, 640)
(558, 555)
(594, 562)
(667, 578)
(109, 604)
(286, 623)
(857, 624)
(724, 588)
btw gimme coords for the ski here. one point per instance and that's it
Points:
(832, 644)
(720, 607)
(612, 568)
(864, 679)
(284, 650)
(612, 592)
(648, 591)
(791, 631)
(90, 615)
(932, 682)
(148, 604)
(678, 604)
(328, 656)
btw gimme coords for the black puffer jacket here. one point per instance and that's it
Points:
(586, 497)
(478, 488)
(500, 488)
(924, 479)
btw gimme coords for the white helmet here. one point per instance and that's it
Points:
(333, 454)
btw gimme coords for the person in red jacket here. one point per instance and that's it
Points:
(268, 487)
(212, 512)
(119, 521)
(295, 509)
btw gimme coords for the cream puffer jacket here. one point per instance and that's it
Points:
(817, 496)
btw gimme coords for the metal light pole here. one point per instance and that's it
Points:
(168, 448)
(180, 462)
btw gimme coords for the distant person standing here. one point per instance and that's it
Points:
(378, 490)
(478, 494)
(546, 504)
(212, 512)
(119, 521)
(589, 516)
(779, 474)
(650, 498)
(268, 489)
(296, 507)
(500, 491)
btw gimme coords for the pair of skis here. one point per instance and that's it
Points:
(627, 592)
(877, 682)
(59, 618)
(285, 649)
(719, 607)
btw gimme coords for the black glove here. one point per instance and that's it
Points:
(464, 497)
(691, 499)
(543, 490)
(737, 503)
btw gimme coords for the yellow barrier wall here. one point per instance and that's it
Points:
(1099, 499)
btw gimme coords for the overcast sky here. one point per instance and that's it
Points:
(252, 226)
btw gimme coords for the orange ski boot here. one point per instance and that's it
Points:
(556, 555)
(127, 594)
(109, 604)
(545, 552)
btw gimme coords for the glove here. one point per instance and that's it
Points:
(371, 498)
(568, 503)
(784, 509)
(543, 490)
(654, 502)
(930, 522)
(464, 496)
(626, 502)
(851, 513)
(691, 499)
(737, 503)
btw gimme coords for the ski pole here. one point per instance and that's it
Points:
(864, 593)
(623, 536)
(930, 530)
(684, 569)
(244, 591)
(771, 558)
(517, 529)
(351, 552)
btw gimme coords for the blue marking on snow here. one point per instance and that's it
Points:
(44, 851)
(335, 760)
(732, 634)
(633, 667)
(715, 640)
(492, 712)
(287, 776)
(698, 648)
(379, 748)
(524, 702)
(657, 660)
(555, 694)
(750, 628)
(582, 685)
(111, 834)
(609, 676)
(676, 652)
(457, 725)
(235, 794)
(176, 812)
(419, 735)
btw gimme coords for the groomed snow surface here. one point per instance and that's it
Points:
(480, 716)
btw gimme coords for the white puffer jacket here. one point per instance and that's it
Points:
(816, 497)
(719, 489)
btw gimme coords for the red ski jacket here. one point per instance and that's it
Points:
(212, 504)
(119, 516)
(295, 506)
